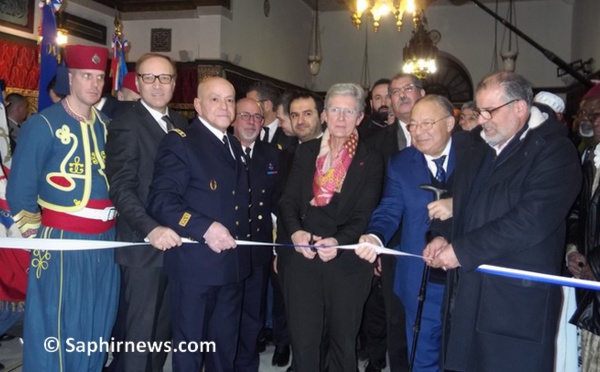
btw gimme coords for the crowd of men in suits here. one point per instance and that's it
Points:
(186, 194)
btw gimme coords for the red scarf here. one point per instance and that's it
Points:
(330, 174)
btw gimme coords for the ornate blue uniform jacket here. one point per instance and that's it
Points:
(196, 182)
(58, 160)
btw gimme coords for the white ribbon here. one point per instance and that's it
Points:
(77, 245)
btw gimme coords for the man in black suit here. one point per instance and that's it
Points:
(267, 97)
(133, 140)
(261, 162)
(200, 189)
(511, 197)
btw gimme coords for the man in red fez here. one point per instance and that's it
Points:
(58, 190)
(129, 91)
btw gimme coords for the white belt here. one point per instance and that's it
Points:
(106, 214)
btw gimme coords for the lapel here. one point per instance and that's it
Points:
(356, 172)
(470, 154)
(420, 171)
(219, 149)
(258, 156)
(451, 162)
(149, 123)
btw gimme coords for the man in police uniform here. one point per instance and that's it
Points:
(200, 190)
(60, 166)
(261, 160)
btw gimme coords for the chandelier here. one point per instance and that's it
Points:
(376, 9)
(420, 53)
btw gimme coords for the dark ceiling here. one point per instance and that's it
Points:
(163, 5)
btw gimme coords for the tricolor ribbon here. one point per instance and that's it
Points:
(75, 245)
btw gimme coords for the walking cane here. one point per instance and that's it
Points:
(423, 290)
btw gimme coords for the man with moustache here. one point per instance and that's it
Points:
(131, 147)
(404, 90)
(261, 162)
(405, 205)
(58, 190)
(381, 115)
(200, 190)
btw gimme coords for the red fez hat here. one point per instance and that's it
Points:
(593, 92)
(129, 82)
(86, 57)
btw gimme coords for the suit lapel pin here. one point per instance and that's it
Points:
(213, 185)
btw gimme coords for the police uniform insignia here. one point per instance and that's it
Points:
(185, 219)
(213, 185)
(178, 131)
(96, 59)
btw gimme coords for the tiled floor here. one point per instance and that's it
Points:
(10, 356)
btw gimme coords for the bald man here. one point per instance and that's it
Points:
(200, 190)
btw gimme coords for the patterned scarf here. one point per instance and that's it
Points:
(330, 173)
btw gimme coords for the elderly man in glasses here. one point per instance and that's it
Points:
(511, 198)
(133, 140)
(261, 162)
(405, 205)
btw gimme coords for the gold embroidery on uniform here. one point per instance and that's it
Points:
(76, 202)
(94, 160)
(213, 185)
(76, 166)
(40, 261)
(64, 134)
(185, 219)
(28, 223)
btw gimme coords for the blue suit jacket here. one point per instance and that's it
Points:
(197, 182)
(404, 204)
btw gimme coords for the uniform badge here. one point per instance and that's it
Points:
(95, 59)
(179, 131)
(185, 219)
(213, 185)
(271, 168)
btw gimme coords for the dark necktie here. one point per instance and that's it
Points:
(226, 142)
(247, 151)
(169, 122)
(440, 174)
(266, 136)
(401, 137)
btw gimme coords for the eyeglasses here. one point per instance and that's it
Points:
(405, 89)
(590, 116)
(247, 116)
(425, 125)
(487, 114)
(151, 78)
(343, 111)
